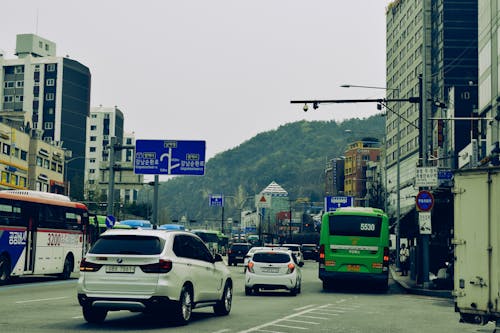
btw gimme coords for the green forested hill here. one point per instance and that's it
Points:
(294, 156)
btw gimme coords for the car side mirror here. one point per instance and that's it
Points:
(301, 264)
(217, 257)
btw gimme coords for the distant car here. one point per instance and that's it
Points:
(143, 224)
(168, 273)
(272, 270)
(310, 251)
(295, 248)
(237, 252)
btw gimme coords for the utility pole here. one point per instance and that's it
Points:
(111, 180)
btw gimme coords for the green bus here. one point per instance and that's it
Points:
(354, 246)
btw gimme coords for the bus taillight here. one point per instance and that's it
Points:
(322, 252)
(386, 256)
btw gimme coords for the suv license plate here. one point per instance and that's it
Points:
(120, 269)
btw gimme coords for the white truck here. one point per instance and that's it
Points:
(477, 244)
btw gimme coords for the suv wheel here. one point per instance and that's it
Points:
(184, 308)
(223, 307)
(94, 315)
(248, 291)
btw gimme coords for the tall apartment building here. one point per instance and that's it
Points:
(488, 134)
(438, 40)
(104, 123)
(50, 95)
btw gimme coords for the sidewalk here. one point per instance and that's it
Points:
(412, 288)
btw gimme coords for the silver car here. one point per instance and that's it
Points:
(159, 271)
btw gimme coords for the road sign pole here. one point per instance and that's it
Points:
(111, 180)
(155, 202)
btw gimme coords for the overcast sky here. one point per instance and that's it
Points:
(215, 70)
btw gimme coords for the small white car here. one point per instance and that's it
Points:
(272, 270)
(250, 253)
(165, 272)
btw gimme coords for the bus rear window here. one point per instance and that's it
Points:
(355, 225)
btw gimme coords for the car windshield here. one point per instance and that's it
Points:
(271, 257)
(308, 247)
(128, 244)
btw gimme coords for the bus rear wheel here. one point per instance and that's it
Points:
(4, 269)
(67, 269)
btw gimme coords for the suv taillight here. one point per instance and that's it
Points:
(162, 266)
(250, 267)
(291, 267)
(86, 266)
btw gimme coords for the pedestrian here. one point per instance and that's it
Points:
(404, 259)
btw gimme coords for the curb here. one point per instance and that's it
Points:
(411, 289)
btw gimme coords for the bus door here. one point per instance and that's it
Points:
(28, 214)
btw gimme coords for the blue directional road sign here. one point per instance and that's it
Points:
(216, 200)
(169, 157)
(332, 203)
(110, 221)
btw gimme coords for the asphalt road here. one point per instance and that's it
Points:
(47, 305)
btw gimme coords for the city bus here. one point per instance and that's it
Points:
(354, 246)
(41, 233)
(216, 241)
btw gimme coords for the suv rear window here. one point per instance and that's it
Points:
(271, 257)
(128, 244)
(239, 247)
(295, 248)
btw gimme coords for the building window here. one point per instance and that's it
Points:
(46, 164)
(92, 149)
(59, 168)
(8, 84)
(93, 138)
(93, 116)
(50, 111)
(93, 127)
(48, 125)
(51, 67)
(39, 161)
(53, 166)
(50, 82)
(91, 170)
(19, 98)
(19, 84)
(6, 149)
(19, 69)
(49, 96)
(37, 68)
(24, 155)
(8, 99)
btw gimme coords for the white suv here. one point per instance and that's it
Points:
(159, 271)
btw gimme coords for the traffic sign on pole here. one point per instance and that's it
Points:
(424, 201)
(169, 157)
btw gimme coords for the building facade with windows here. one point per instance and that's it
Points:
(50, 94)
(437, 40)
(104, 123)
(357, 157)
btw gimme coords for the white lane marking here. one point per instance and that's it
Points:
(321, 318)
(304, 307)
(269, 331)
(288, 326)
(221, 331)
(302, 321)
(77, 317)
(40, 300)
(327, 312)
